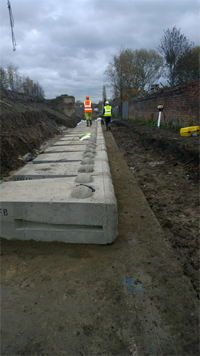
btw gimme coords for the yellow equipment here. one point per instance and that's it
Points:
(189, 131)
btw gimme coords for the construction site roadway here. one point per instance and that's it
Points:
(132, 297)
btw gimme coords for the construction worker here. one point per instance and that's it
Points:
(88, 110)
(107, 113)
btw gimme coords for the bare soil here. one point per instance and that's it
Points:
(26, 123)
(166, 167)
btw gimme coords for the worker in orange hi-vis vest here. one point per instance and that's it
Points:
(88, 110)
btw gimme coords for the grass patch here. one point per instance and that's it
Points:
(150, 122)
(170, 126)
(136, 120)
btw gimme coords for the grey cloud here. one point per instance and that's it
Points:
(67, 44)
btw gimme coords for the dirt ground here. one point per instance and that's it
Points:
(137, 296)
(166, 167)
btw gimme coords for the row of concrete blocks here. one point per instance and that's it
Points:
(65, 194)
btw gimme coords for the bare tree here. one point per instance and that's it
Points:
(131, 71)
(173, 46)
(28, 86)
(120, 72)
(149, 65)
(11, 73)
(188, 67)
(3, 79)
(18, 82)
(40, 91)
(11, 79)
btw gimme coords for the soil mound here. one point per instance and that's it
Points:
(26, 122)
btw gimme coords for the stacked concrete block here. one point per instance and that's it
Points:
(61, 170)
(65, 195)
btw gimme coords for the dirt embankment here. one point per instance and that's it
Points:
(25, 124)
(166, 167)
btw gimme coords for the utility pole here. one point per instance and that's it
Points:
(104, 95)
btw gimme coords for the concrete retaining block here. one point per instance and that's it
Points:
(60, 170)
(59, 210)
(76, 142)
(66, 157)
(66, 148)
(69, 143)
(58, 157)
(76, 205)
(72, 148)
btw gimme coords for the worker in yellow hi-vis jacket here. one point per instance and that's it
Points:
(107, 113)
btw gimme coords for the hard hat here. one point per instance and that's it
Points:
(107, 102)
(87, 97)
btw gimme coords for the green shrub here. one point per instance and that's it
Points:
(136, 120)
(150, 122)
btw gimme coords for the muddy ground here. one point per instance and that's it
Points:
(166, 167)
(137, 296)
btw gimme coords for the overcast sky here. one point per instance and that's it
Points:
(66, 45)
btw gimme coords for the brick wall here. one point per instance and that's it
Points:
(181, 102)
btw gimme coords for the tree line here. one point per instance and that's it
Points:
(10, 79)
(130, 72)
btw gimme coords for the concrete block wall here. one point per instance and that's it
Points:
(181, 102)
(70, 201)
(64, 104)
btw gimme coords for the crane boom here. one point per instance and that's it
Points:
(12, 26)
